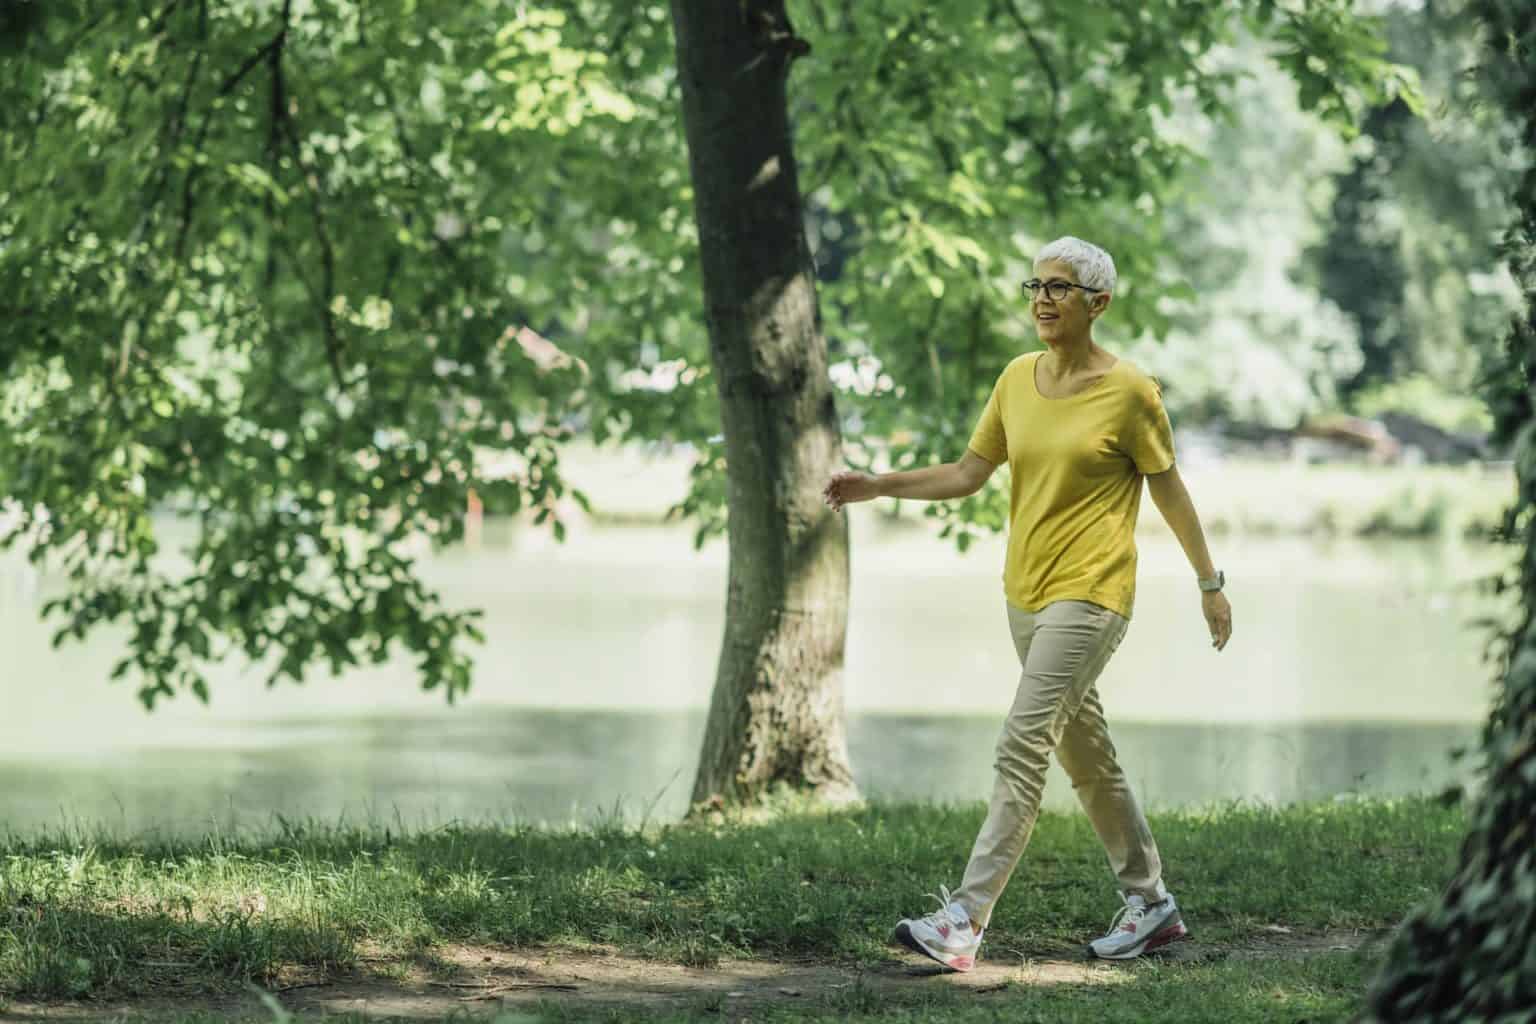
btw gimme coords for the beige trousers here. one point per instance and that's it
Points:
(1063, 647)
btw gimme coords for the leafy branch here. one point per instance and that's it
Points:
(1022, 124)
(324, 296)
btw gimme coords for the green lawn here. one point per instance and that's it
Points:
(92, 919)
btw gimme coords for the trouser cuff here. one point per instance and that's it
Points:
(1156, 894)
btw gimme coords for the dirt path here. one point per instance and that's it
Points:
(476, 980)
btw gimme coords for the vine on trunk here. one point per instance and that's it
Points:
(1470, 954)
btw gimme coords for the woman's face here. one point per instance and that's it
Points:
(1069, 318)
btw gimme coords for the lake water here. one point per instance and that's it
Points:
(1352, 669)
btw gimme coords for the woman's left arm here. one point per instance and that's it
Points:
(1173, 501)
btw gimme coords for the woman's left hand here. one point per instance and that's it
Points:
(1218, 615)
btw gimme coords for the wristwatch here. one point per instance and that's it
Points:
(1215, 583)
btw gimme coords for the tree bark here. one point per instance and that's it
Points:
(776, 715)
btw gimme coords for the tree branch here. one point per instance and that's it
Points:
(158, 25)
(107, 10)
(392, 266)
(768, 23)
(175, 129)
(311, 180)
(839, 153)
(188, 197)
(1022, 124)
(1012, 7)
(277, 107)
(272, 45)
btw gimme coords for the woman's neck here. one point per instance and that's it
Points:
(1075, 356)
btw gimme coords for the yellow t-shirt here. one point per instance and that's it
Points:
(1077, 464)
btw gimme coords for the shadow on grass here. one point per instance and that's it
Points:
(114, 917)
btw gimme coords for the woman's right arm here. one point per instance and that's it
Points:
(931, 483)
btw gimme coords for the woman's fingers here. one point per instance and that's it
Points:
(831, 493)
(843, 487)
(1218, 618)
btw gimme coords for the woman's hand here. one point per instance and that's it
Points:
(1218, 615)
(847, 487)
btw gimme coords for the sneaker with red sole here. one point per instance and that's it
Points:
(944, 935)
(1139, 927)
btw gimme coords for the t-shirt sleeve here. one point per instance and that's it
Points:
(1148, 435)
(988, 439)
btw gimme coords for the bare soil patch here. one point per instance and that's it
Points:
(464, 979)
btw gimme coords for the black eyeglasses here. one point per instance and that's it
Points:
(1057, 289)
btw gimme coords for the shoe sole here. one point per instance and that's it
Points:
(904, 936)
(1171, 932)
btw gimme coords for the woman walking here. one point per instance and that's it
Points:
(1079, 430)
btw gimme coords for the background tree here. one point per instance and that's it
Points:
(1467, 954)
(1411, 254)
(270, 264)
(311, 272)
(1248, 338)
(1274, 336)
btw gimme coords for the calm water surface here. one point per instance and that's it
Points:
(1352, 668)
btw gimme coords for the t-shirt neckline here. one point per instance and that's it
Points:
(1034, 385)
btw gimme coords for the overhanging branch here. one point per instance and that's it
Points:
(1022, 125)
(323, 297)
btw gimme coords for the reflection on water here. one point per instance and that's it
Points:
(1352, 667)
(563, 766)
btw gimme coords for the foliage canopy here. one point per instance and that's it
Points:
(311, 271)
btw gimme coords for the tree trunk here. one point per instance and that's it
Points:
(777, 711)
(1470, 953)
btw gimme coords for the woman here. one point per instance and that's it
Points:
(1079, 430)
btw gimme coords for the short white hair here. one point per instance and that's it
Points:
(1094, 267)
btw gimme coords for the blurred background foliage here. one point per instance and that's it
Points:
(1339, 274)
(322, 274)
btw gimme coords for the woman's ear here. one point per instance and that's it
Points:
(1098, 303)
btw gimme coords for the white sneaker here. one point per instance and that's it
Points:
(1139, 927)
(945, 935)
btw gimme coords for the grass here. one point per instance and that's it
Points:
(100, 918)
